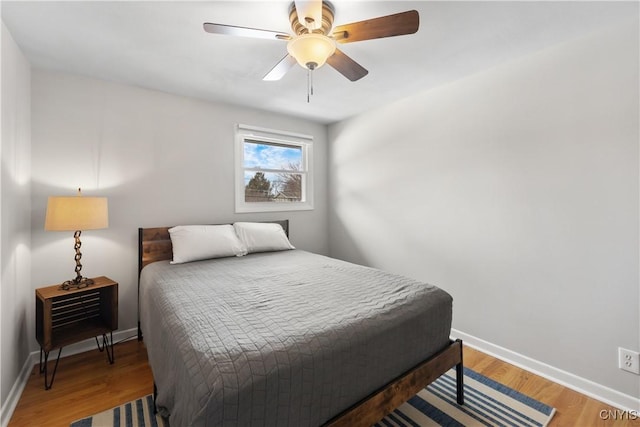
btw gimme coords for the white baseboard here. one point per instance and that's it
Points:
(18, 386)
(16, 391)
(564, 378)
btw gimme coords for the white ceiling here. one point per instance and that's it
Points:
(161, 45)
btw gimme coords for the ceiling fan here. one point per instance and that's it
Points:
(314, 43)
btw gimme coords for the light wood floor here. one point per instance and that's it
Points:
(86, 384)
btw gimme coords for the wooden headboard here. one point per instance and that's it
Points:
(154, 244)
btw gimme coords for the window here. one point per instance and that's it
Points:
(272, 170)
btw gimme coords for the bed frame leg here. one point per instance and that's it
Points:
(460, 379)
(155, 395)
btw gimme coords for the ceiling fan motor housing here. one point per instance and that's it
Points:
(328, 12)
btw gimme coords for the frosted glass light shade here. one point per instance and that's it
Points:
(311, 49)
(76, 213)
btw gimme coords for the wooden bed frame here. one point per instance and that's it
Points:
(154, 244)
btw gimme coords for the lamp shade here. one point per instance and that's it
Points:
(311, 50)
(76, 213)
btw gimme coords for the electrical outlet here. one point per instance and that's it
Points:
(629, 360)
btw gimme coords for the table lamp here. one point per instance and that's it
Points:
(76, 213)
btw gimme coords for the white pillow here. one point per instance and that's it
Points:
(262, 237)
(196, 242)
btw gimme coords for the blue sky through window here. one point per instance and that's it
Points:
(267, 156)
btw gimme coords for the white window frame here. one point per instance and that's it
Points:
(247, 133)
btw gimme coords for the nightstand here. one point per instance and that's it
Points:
(66, 317)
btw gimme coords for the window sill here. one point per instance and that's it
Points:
(272, 207)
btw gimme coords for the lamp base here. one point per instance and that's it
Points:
(77, 283)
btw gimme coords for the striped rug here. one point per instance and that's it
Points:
(487, 403)
(137, 413)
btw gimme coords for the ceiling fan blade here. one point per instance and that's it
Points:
(280, 69)
(385, 26)
(232, 30)
(347, 66)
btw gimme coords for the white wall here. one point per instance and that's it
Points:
(516, 190)
(160, 159)
(15, 210)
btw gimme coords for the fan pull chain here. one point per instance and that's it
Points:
(310, 67)
(309, 85)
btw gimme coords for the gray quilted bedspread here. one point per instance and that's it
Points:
(282, 338)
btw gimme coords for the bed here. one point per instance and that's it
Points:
(287, 337)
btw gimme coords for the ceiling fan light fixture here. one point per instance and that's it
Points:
(311, 50)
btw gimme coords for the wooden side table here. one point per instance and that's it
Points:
(66, 317)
